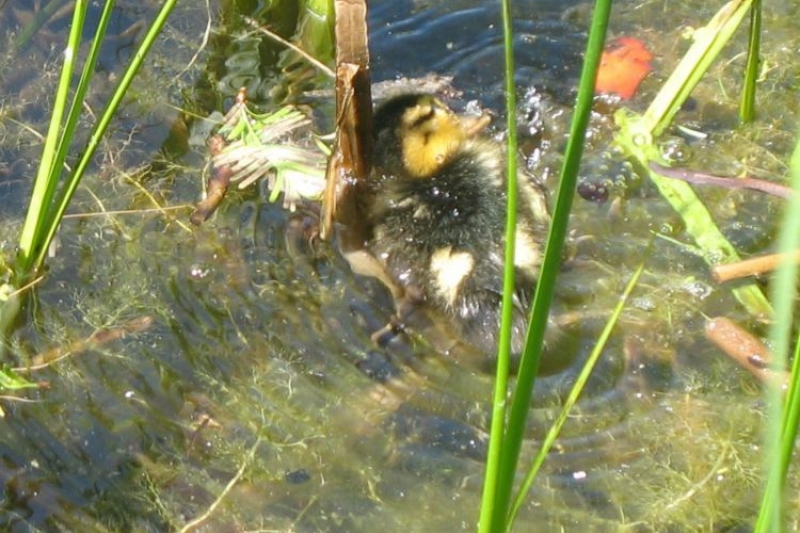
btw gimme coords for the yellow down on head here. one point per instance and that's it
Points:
(430, 134)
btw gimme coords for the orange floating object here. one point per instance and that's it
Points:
(624, 65)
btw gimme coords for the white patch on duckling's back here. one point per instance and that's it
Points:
(527, 251)
(449, 270)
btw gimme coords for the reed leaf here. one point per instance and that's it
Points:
(47, 177)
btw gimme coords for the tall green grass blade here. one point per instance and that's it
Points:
(83, 85)
(529, 364)
(791, 413)
(489, 515)
(574, 393)
(48, 216)
(747, 107)
(783, 418)
(47, 176)
(65, 195)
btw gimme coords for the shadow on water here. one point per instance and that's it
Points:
(259, 360)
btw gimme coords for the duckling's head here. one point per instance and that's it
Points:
(417, 132)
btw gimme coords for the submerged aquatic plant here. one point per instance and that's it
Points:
(637, 137)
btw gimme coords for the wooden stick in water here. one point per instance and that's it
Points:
(751, 267)
(748, 352)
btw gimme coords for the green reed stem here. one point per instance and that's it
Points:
(83, 85)
(36, 239)
(48, 217)
(747, 107)
(489, 514)
(512, 438)
(47, 177)
(783, 417)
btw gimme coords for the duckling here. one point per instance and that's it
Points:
(438, 213)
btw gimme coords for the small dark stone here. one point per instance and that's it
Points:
(298, 476)
(376, 366)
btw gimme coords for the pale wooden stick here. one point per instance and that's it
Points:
(752, 266)
(748, 352)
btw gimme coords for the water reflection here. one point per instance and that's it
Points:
(464, 40)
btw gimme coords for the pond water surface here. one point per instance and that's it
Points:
(247, 354)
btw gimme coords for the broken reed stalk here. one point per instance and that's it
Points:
(350, 160)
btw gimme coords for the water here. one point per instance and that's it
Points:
(259, 355)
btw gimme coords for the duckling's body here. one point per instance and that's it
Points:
(438, 213)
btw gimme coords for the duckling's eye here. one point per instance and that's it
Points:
(423, 118)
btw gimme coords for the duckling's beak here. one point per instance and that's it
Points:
(473, 124)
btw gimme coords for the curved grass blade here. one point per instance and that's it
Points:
(574, 393)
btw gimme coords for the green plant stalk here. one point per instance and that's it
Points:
(747, 107)
(713, 246)
(575, 392)
(100, 127)
(489, 514)
(782, 429)
(83, 85)
(529, 364)
(636, 135)
(791, 413)
(47, 217)
(770, 514)
(47, 176)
